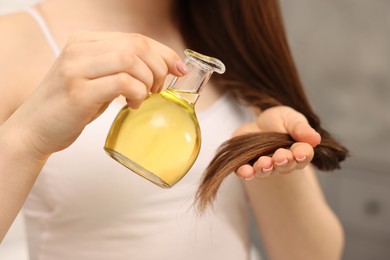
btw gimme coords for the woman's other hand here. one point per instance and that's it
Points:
(281, 119)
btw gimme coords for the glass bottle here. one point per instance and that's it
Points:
(161, 139)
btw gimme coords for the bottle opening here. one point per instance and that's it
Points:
(205, 61)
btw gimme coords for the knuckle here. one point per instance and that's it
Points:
(150, 79)
(121, 82)
(140, 43)
(160, 73)
(140, 94)
(173, 56)
(127, 59)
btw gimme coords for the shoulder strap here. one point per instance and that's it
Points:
(45, 30)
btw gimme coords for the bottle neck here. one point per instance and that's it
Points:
(189, 86)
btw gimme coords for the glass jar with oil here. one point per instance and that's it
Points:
(161, 139)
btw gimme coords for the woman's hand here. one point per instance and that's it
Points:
(281, 119)
(93, 69)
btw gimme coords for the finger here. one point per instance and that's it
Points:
(303, 154)
(299, 129)
(166, 83)
(148, 50)
(158, 67)
(117, 62)
(123, 55)
(245, 172)
(139, 45)
(175, 64)
(263, 167)
(283, 161)
(303, 132)
(105, 89)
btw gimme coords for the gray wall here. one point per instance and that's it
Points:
(342, 49)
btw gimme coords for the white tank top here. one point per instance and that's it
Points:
(85, 205)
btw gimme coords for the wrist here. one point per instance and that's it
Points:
(16, 143)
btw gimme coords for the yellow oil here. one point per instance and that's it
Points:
(159, 141)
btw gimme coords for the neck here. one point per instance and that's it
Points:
(153, 18)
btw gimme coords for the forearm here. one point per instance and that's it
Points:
(294, 220)
(19, 168)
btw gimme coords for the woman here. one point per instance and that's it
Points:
(57, 106)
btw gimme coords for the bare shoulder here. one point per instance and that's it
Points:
(12, 25)
(24, 59)
(19, 37)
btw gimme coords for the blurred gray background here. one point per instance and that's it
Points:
(342, 50)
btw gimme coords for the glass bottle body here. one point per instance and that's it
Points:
(161, 139)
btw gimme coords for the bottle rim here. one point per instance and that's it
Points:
(208, 62)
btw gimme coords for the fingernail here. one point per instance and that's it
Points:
(267, 170)
(249, 178)
(301, 159)
(264, 172)
(282, 163)
(181, 67)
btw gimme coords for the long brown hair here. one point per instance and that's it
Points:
(249, 37)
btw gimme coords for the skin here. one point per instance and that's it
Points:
(45, 111)
(292, 215)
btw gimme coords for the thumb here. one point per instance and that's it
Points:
(300, 130)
